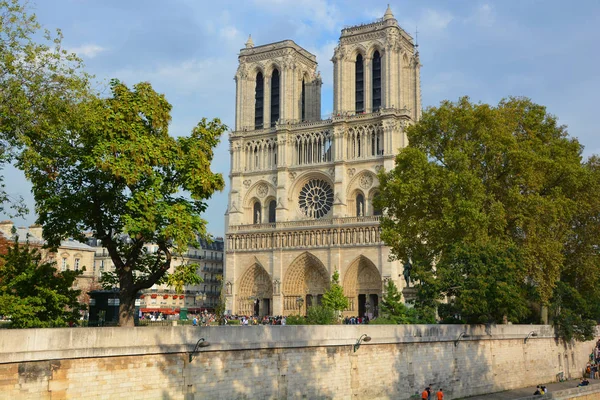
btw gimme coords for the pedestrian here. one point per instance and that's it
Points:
(429, 390)
(195, 321)
(425, 394)
(440, 394)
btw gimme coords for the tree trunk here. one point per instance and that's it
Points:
(126, 309)
(127, 299)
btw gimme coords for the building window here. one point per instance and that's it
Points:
(303, 101)
(258, 101)
(101, 265)
(272, 211)
(63, 267)
(376, 211)
(274, 97)
(77, 264)
(359, 82)
(360, 205)
(376, 81)
(256, 213)
(316, 198)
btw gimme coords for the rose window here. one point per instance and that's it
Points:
(316, 198)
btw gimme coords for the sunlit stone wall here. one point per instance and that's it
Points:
(280, 361)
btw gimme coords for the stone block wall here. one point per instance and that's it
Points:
(316, 362)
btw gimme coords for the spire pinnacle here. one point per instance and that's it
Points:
(388, 14)
(249, 43)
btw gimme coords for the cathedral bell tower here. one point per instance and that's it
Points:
(376, 66)
(276, 83)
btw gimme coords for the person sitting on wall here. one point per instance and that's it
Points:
(583, 382)
(537, 392)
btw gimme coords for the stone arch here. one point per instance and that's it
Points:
(306, 278)
(358, 49)
(376, 46)
(256, 191)
(364, 180)
(362, 283)
(255, 291)
(273, 65)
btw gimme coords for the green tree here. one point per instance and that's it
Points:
(118, 174)
(497, 191)
(319, 315)
(40, 82)
(334, 297)
(33, 293)
(393, 310)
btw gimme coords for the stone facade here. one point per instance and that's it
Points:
(301, 187)
(71, 255)
(280, 362)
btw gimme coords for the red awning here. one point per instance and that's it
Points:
(160, 310)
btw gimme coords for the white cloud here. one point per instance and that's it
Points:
(483, 15)
(320, 13)
(87, 50)
(434, 20)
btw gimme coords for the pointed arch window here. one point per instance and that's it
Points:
(376, 84)
(256, 213)
(258, 101)
(303, 101)
(376, 211)
(360, 205)
(274, 97)
(272, 211)
(359, 93)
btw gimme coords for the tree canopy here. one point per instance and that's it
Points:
(40, 82)
(334, 297)
(115, 172)
(33, 293)
(494, 206)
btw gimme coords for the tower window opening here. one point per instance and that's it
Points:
(376, 81)
(360, 87)
(303, 101)
(258, 101)
(274, 97)
(272, 213)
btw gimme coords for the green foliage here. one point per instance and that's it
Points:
(393, 310)
(33, 293)
(334, 297)
(39, 84)
(117, 173)
(320, 315)
(221, 304)
(572, 314)
(295, 320)
(493, 206)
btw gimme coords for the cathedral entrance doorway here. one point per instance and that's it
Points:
(255, 292)
(305, 282)
(362, 286)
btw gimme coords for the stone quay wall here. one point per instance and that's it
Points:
(278, 362)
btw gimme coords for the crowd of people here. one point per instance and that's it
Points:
(207, 319)
(427, 394)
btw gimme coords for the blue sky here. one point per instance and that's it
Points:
(187, 49)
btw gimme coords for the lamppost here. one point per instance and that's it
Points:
(299, 302)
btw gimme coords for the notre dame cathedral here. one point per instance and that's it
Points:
(302, 188)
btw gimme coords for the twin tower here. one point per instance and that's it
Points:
(302, 187)
(375, 66)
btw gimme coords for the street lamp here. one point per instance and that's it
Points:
(363, 338)
(299, 302)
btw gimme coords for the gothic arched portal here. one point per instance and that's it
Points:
(255, 295)
(362, 285)
(307, 279)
